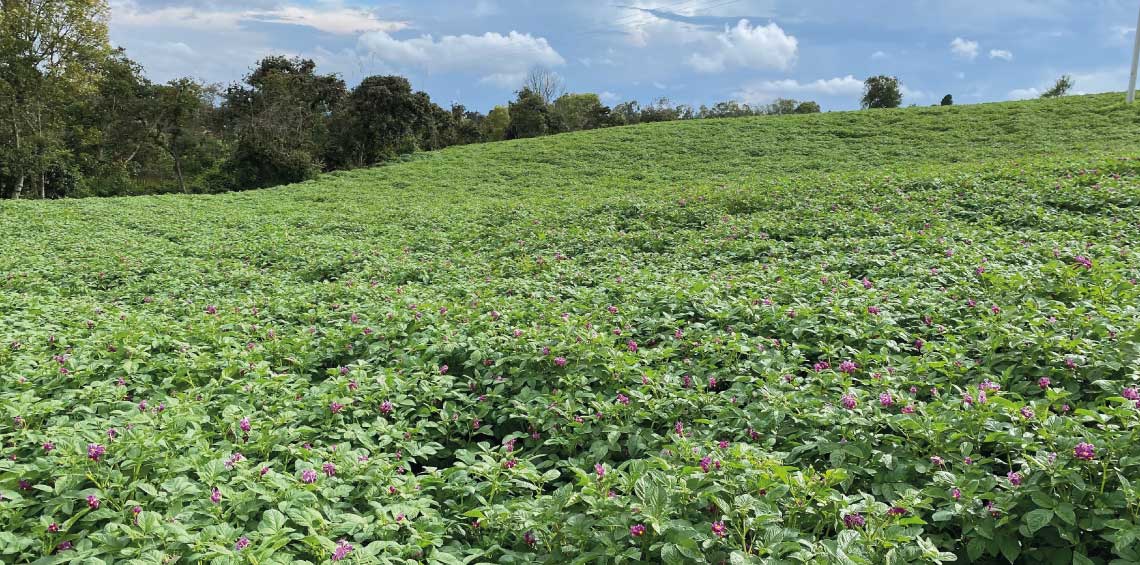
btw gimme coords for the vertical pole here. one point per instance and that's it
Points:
(1135, 60)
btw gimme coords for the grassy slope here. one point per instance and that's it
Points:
(773, 206)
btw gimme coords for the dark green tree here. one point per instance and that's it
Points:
(808, 107)
(948, 100)
(530, 115)
(1059, 88)
(278, 122)
(882, 92)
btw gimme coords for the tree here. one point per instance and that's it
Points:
(498, 121)
(808, 107)
(49, 53)
(529, 115)
(882, 92)
(1059, 88)
(780, 107)
(546, 83)
(180, 112)
(626, 113)
(948, 100)
(380, 119)
(576, 112)
(278, 121)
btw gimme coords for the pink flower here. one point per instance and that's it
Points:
(956, 493)
(719, 529)
(242, 543)
(308, 476)
(95, 451)
(343, 548)
(632, 346)
(216, 495)
(918, 344)
(622, 399)
(1014, 478)
(93, 502)
(886, 400)
(854, 520)
(873, 310)
(336, 407)
(1084, 261)
(529, 538)
(329, 469)
(867, 284)
(443, 369)
(1027, 412)
(1131, 393)
(637, 530)
(848, 401)
(560, 361)
(1044, 382)
(244, 425)
(600, 470)
(1085, 451)
(386, 407)
(848, 367)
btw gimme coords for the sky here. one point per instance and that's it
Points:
(476, 52)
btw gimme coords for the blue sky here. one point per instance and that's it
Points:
(691, 51)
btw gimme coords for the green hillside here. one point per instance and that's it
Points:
(832, 338)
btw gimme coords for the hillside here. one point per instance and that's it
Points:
(819, 338)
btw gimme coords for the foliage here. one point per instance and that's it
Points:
(629, 345)
(947, 100)
(1059, 88)
(807, 107)
(882, 92)
(530, 115)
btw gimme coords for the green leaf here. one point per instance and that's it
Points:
(1037, 519)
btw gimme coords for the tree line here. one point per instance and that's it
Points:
(80, 118)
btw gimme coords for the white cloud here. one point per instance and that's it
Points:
(1003, 54)
(768, 90)
(330, 17)
(878, 55)
(746, 46)
(964, 48)
(1024, 93)
(500, 59)
(608, 96)
(912, 94)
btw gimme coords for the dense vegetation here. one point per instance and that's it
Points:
(882, 336)
(78, 118)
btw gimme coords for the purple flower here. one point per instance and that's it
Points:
(443, 369)
(719, 529)
(63, 546)
(211, 309)
(1044, 382)
(637, 530)
(848, 401)
(600, 470)
(918, 344)
(244, 425)
(873, 310)
(1084, 261)
(93, 502)
(386, 407)
(142, 406)
(216, 496)
(622, 399)
(95, 451)
(1131, 393)
(329, 469)
(336, 407)
(854, 520)
(1027, 412)
(706, 463)
(679, 428)
(821, 366)
(867, 284)
(242, 543)
(886, 400)
(529, 538)
(49, 446)
(343, 548)
(53, 528)
(560, 361)
(632, 346)
(1014, 478)
(1084, 451)
(936, 460)
(956, 493)
(308, 476)
(848, 367)
(897, 511)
